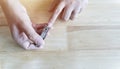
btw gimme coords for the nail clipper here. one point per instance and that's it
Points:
(45, 32)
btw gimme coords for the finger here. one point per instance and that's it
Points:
(15, 32)
(67, 13)
(22, 40)
(29, 46)
(53, 5)
(73, 16)
(26, 43)
(19, 38)
(36, 39)
(75, 13)
(34, 36)
(56, 13)
(33, 47)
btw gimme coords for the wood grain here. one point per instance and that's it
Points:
(94, 27)
(91, 41)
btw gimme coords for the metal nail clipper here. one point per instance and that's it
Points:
(44, 32)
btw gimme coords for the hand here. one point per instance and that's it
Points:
(26, 41)
(23, 31)
(69, 8)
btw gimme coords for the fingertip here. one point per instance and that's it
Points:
(65, 19)
(31, 47)
(41, 45)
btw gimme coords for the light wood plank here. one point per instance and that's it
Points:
(87, 59)
(90, 42)
(94, 37)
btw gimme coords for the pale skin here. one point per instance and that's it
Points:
(24, 32)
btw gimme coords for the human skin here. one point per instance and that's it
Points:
(67, 9)
(24, 32)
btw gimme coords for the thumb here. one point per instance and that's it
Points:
(33, 36)
(37, 40)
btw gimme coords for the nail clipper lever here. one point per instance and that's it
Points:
(44, 32)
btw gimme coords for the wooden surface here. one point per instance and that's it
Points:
(91, 41)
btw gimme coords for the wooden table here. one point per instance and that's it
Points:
(91, 41)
